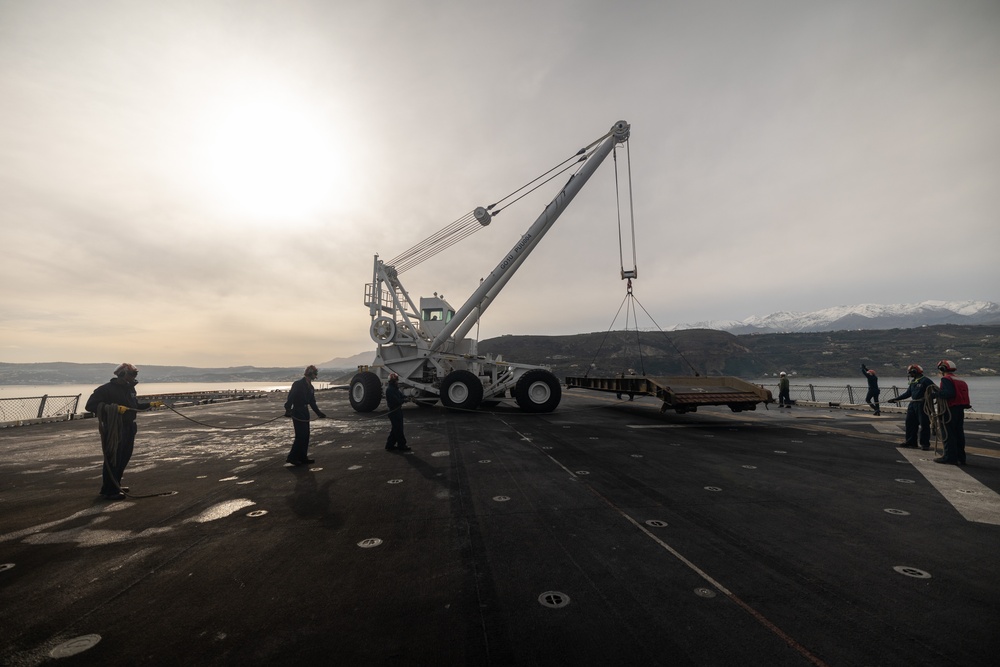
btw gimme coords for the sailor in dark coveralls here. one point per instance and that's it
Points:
(873, 391)
(301, 397)
(115, 405)
(916, 417)
(394, 398)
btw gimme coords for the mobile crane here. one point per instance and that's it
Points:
(427, 346)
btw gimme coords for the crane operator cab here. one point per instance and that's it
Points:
(435, 313)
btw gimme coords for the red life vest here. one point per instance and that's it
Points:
(961, 399)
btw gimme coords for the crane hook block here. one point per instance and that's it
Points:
(632, 273)
(482, 215)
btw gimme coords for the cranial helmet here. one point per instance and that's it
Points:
(782, 373)
(871, 372)
(914, 370)
(393, 377)
(126, 369)
(946, 366)
(311, 372)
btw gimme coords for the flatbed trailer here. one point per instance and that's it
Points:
(682, 393)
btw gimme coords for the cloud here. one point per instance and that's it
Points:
(784, 156)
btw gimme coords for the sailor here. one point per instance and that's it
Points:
(955, 393)
(301, 397)
(784, 397)
(115, 404)
(394, 398)
(873, 391)
(917, 419)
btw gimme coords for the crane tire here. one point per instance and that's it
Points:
(461, 390)
(538, 390)
(365, 391)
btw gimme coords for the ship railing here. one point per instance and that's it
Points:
(33, 409)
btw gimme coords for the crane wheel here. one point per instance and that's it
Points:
(461, 390)
(365, 391)
(538, 390)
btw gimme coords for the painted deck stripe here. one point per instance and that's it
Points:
(973, 500)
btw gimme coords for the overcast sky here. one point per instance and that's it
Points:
(205, 183)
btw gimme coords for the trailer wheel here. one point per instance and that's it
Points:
(461, 390)
(538, 390)
(366, 391)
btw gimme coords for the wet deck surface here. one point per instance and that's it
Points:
(603, 533)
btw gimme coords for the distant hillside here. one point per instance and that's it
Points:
(862, 316)
(68, 373)
(976, 350)
(709, 352)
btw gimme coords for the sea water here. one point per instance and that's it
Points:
(142, 389)
(984, 392)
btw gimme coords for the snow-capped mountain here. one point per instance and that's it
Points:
(863, 316)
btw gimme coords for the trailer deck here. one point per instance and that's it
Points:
(682, 393)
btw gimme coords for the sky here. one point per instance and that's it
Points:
(206, 183)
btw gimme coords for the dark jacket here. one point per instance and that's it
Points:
(917, 389)
(872, 379)
(393, 396)
(119, 392)
(300, 398)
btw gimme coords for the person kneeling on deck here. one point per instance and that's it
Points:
(955, 393)
(115, 405)
(917, 419)
(394, 399)
(301, 397)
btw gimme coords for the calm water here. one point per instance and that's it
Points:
(143, 388)
(985, 391)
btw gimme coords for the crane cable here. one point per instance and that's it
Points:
(632, 300)
(468, 224)
(621, 253)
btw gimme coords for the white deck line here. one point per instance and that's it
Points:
(973, 500)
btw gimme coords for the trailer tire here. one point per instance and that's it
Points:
(365, 391)
(538, 390)
(461, 390)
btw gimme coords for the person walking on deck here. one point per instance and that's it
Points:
(873, 391)
(115, 404)
(301, 397)
(784, 398)
(394, 399)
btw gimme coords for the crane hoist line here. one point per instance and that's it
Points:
(425, 341)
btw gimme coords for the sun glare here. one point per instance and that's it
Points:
(271, 158)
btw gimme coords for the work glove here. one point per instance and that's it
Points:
(156, 404)
(321, 415)
(288, 412)
(122, 409)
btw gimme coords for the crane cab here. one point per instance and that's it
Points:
(435, 313)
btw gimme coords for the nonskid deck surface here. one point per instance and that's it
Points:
(602, 533)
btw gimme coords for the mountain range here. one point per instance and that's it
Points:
(824, 343)
(860, 317)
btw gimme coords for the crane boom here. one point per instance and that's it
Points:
(467, 316)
